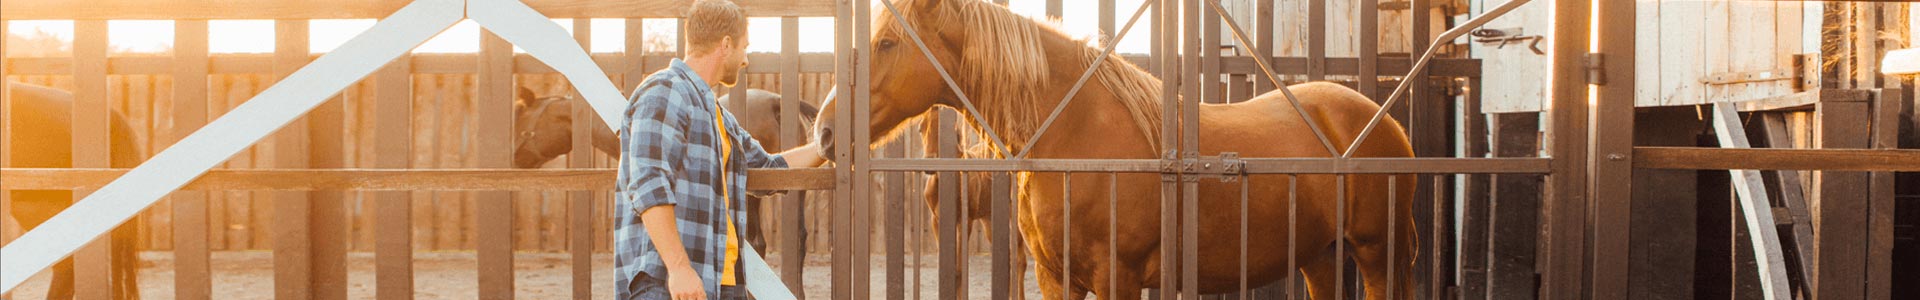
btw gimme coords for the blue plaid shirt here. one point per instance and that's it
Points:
(670, 155)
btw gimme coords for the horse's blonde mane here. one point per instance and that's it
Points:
(1006, 53)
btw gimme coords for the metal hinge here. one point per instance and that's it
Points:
(1596, 69)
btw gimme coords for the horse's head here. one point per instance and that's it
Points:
(904, 83)
(542, 126)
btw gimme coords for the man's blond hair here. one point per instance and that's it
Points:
(708, 21)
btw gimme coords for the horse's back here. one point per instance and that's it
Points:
(1340, 113)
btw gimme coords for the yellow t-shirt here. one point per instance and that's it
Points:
(733, 241)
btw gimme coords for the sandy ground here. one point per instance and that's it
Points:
(450, 275)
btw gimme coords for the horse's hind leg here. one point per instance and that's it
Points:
(1322, 278)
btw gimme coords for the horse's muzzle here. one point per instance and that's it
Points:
(825, 138)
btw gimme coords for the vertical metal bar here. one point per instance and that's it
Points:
(292, 253)
(1293, 235)
(896, 227)
(793, 245)
(1244, 182)
(494, 220)
(1054, 9)
(1001, 233)
(1113, 230)
(1611, 161)
(192, 272)
(1340, 235)
(1192, 95)
(1168, 54)
(862, 180)
(841, 213)
(1566, 209)
(580, 234)
(393, 141)
(952, 225)
(1066, 235)
(1393, 262)
(1317, 40)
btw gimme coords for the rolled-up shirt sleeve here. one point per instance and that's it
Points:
(652, 139)
(754, 155)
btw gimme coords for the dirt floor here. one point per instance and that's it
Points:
(450, 275)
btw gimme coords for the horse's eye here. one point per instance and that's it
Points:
(885, 44)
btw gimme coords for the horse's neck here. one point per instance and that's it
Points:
(1019, 123)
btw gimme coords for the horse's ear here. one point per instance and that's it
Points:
(927, 5)
(523, 94)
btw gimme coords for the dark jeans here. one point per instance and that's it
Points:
(649, 288)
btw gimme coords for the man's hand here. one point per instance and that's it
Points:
(807, 156)
(685, 284)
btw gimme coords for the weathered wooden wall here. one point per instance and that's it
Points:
(1688, 52)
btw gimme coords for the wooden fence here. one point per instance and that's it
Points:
(443, 122)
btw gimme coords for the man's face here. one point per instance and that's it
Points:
(736, 56)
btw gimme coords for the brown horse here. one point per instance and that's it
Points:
(43, 138)
(544, 131)
(543, 126)
(1015, 70)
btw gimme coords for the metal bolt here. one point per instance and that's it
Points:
(1616, 157)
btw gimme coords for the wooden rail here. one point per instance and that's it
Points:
(366, 9)
(396, 179)
(1889, 160)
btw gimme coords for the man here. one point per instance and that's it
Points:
(683, 170)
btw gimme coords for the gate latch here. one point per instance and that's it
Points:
(1227, 167)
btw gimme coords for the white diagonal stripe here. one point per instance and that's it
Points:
(217, 141)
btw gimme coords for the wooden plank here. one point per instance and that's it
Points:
(1666, 203)
(393, 144)
(1316, 40)
(1755, 207)
(1880, 227)
(292, 243)
(1515, 210)
(1369, 48)
(1840, 202)
(494, 211)
(193, 277)
(793, 248)
(1792, 192)
(329, 228)
(1854, 160)
(1681, 27)
(368, 9)
(91, 119)
(579, 226)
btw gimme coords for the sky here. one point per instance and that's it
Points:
(256, 36)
